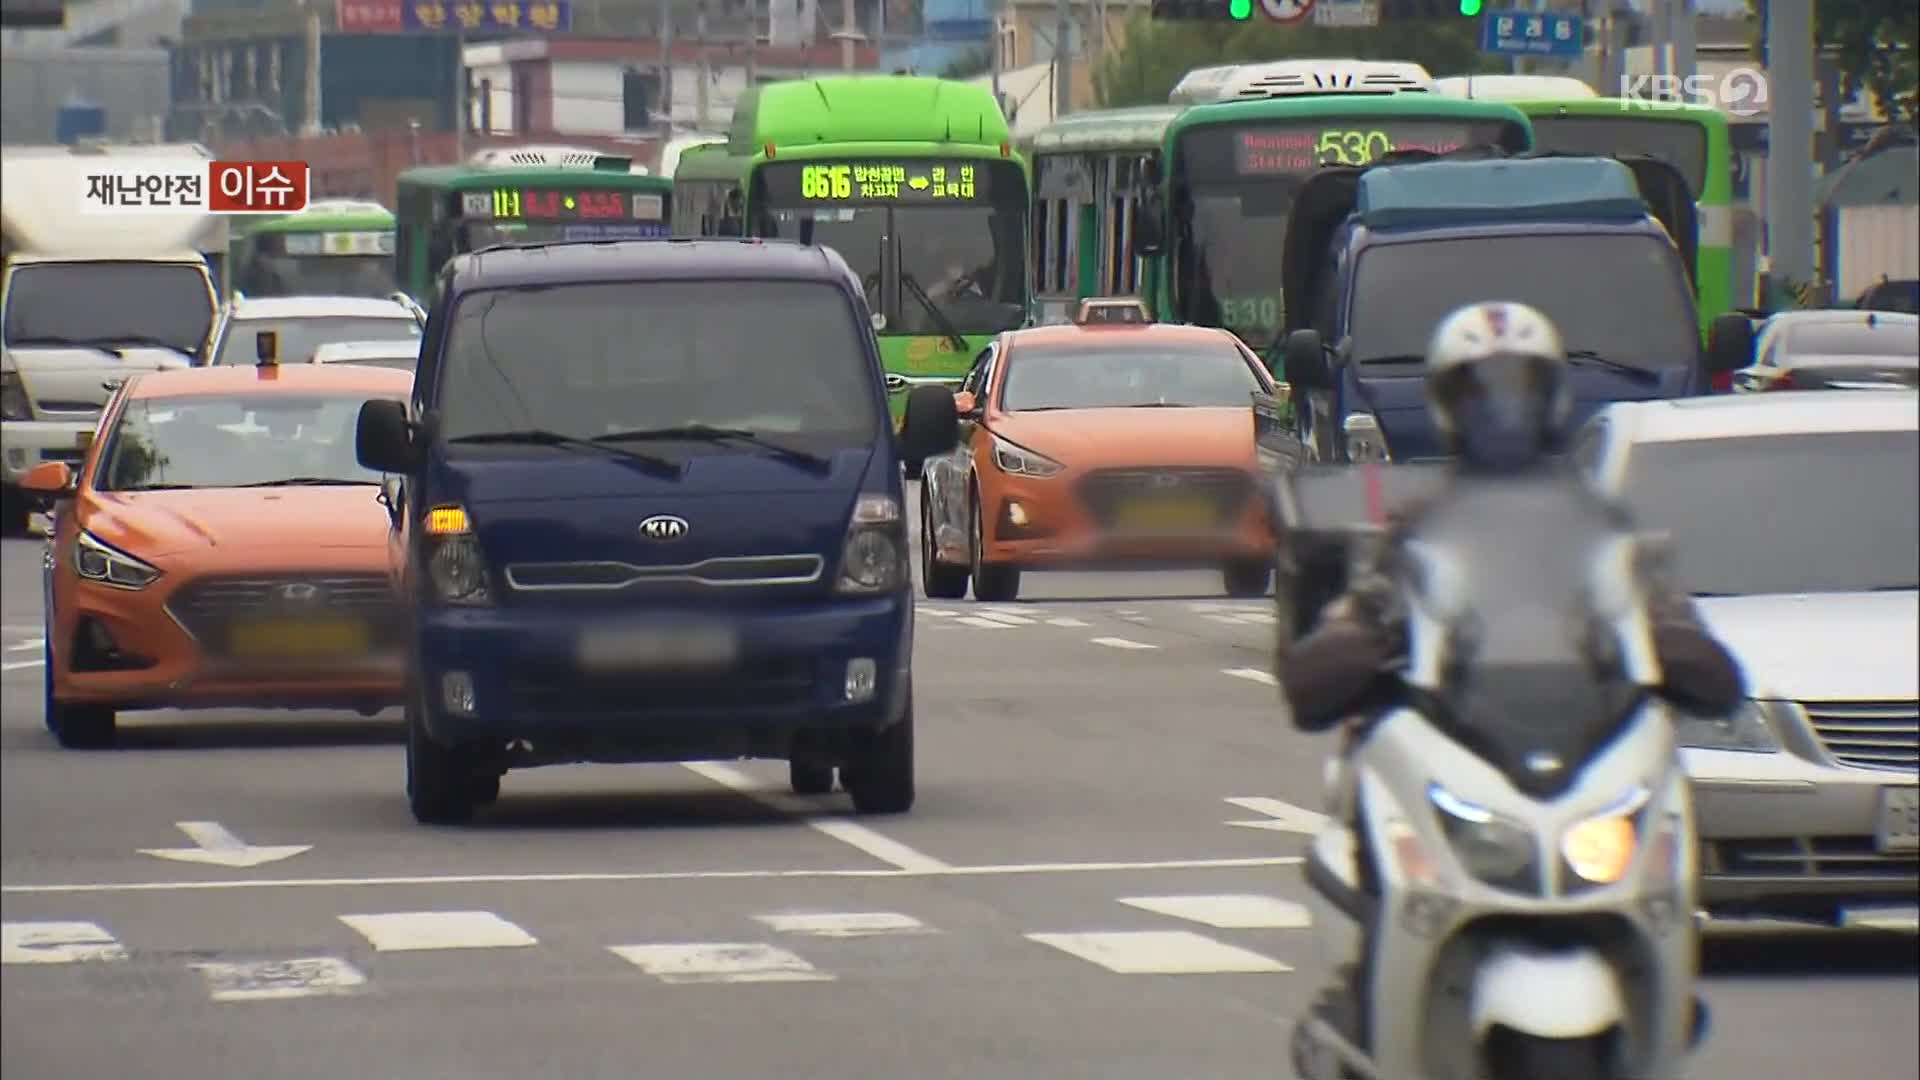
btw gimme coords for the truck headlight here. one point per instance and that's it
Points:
(455, 567)
(873, 559)
(1366, 443)
(97, 560)
(14, 403)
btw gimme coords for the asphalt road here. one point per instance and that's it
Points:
(1068, 901)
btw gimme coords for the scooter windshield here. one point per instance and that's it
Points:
(1503, 569)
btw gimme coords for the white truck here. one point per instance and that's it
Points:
(88, 298)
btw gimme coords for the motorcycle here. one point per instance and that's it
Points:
(1505, 889)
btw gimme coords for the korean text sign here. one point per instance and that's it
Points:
(221, 187)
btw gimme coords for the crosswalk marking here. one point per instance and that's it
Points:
(1005, 618)
(1122, 643)
(274, 980)
(418, 931)
(1067, 621)
(719, 963)
(57, 943)
(1160, 952)
(984, 624)
(1239, 911)
(1251, 675)
(844, 924)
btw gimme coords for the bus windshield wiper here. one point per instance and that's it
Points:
(1396, 358)
(1633, 371)
(544, 437)
(940, 320)
(310, 481)
(709, 433)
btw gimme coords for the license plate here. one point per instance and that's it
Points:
(300, 637)
(1899, 819)
(1166, 514)
(658, 648)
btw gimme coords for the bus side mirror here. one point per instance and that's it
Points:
(1148, 226)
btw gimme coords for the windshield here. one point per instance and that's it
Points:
(316, 275)
(1854, 339)
(299, 337)
(233, 441)
(109, 303)
(1623, 296)
(1840, 512)
(958, 234)
(587, 360)
(1233, 262)
(1130, 377)
(1680, 143)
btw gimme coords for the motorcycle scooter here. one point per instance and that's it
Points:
(1518, 901)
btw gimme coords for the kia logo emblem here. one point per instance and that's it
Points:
(299, 592)
(1164, 480)
(664, 527)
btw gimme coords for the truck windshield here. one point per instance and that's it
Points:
(1623, 296)
(109, 303)
(591, 360)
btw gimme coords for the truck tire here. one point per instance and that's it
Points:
(441, 788)
(880, 775)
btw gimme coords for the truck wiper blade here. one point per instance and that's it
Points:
(544, 437)
(1635, 371)
(709, 433)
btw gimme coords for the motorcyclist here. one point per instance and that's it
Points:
(1497, 390)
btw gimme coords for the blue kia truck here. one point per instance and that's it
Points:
(1376, 257)
(625, 537)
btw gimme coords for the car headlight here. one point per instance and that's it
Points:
(1599, 849)
(874, 557)
(97, 560)
(1746, 730)
(1020, 461)
(455, 567)
(14, 404)
(1498, 851)
(1366, 443)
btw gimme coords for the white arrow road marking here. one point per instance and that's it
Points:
(1281, 816)
(275, 980)
(57, 943)
(216, 846)
(719, 963)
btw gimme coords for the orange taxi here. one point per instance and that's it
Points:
(1099, 443)
(220, 546)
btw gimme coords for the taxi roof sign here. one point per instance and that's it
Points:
(1111, 311)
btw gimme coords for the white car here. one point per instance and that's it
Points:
(301, 324)
(1794, 524)
(398, 354)
(1839, 348)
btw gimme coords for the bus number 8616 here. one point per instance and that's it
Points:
(826, 182)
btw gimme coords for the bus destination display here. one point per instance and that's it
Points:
(1280, 150)
(909, 181)
(524, 204)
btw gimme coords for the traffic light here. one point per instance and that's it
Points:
(1201, 10)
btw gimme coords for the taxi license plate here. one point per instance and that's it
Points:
(658, 648)
(1166, 514)
(1899, 820)
(300, 637)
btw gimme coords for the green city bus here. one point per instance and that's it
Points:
(913, 180)
(531, 194)
(335, 247)
(1570, 117)
(1196, 196)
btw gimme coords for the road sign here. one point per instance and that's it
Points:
(1513, 32)
(1346, 13)
(1287, 11)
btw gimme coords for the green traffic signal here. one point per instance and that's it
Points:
(1243, 9)
(1469, 7)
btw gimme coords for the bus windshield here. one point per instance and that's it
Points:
(1235, 184)
(475, 235)
(1679, 142)
(957, 248)
(317, 275)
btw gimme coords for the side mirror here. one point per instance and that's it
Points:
(965, 405)
(54, 478)
(382, 439)
(1306, 360)
(266, 347)
(1148, 226)
(1729, 344)
(931, 425)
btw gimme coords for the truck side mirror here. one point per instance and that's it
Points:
(382, 439)
(1729, 344)
(1306, 361)
(931, 425)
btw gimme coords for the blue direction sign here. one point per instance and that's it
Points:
(1533, 33)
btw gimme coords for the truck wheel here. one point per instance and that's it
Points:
(880, 777)
(938, 580)
(807, 778)
(440, 780)
(80, 727)
(16, 513)
(1248, 579)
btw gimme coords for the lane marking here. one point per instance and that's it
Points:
(1122, 643)
(1258, 618)
(17, 665)
(845, 924)
(30, 643)
(718, 963)
(57, 943)
(1161, 952)
(1230, 911)
(1230, 620)
(854, 835)
(936, 612)
(278, 980)
(984, 624)
(419, 931)
(1003, 617)
(1067, 621)
(653, 875)
(1281, 816)
(1251, 674)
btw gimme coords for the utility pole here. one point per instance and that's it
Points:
(666, 61)
(993, 39)
(460, 95)
(312, 126)
(849, 34)
(1685, 60)
(706, 71)
(1789, 148)
(1659, 36)
(1062, 58)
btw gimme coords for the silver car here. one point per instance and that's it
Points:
(1795, 525)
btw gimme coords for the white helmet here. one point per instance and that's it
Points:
(1508, 357)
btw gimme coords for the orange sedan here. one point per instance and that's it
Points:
(1099, 445)
(220, 546)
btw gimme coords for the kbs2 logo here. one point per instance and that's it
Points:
(220, 187)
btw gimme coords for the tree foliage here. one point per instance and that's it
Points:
(1873, 44)
(1157, 54)
(969, 64)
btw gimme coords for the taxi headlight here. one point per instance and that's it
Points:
(1600, 848)
(1497, 850)
(96, 560)
(1019, 461)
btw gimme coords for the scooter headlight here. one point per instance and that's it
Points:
(1599, 849)
(1498, 851)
